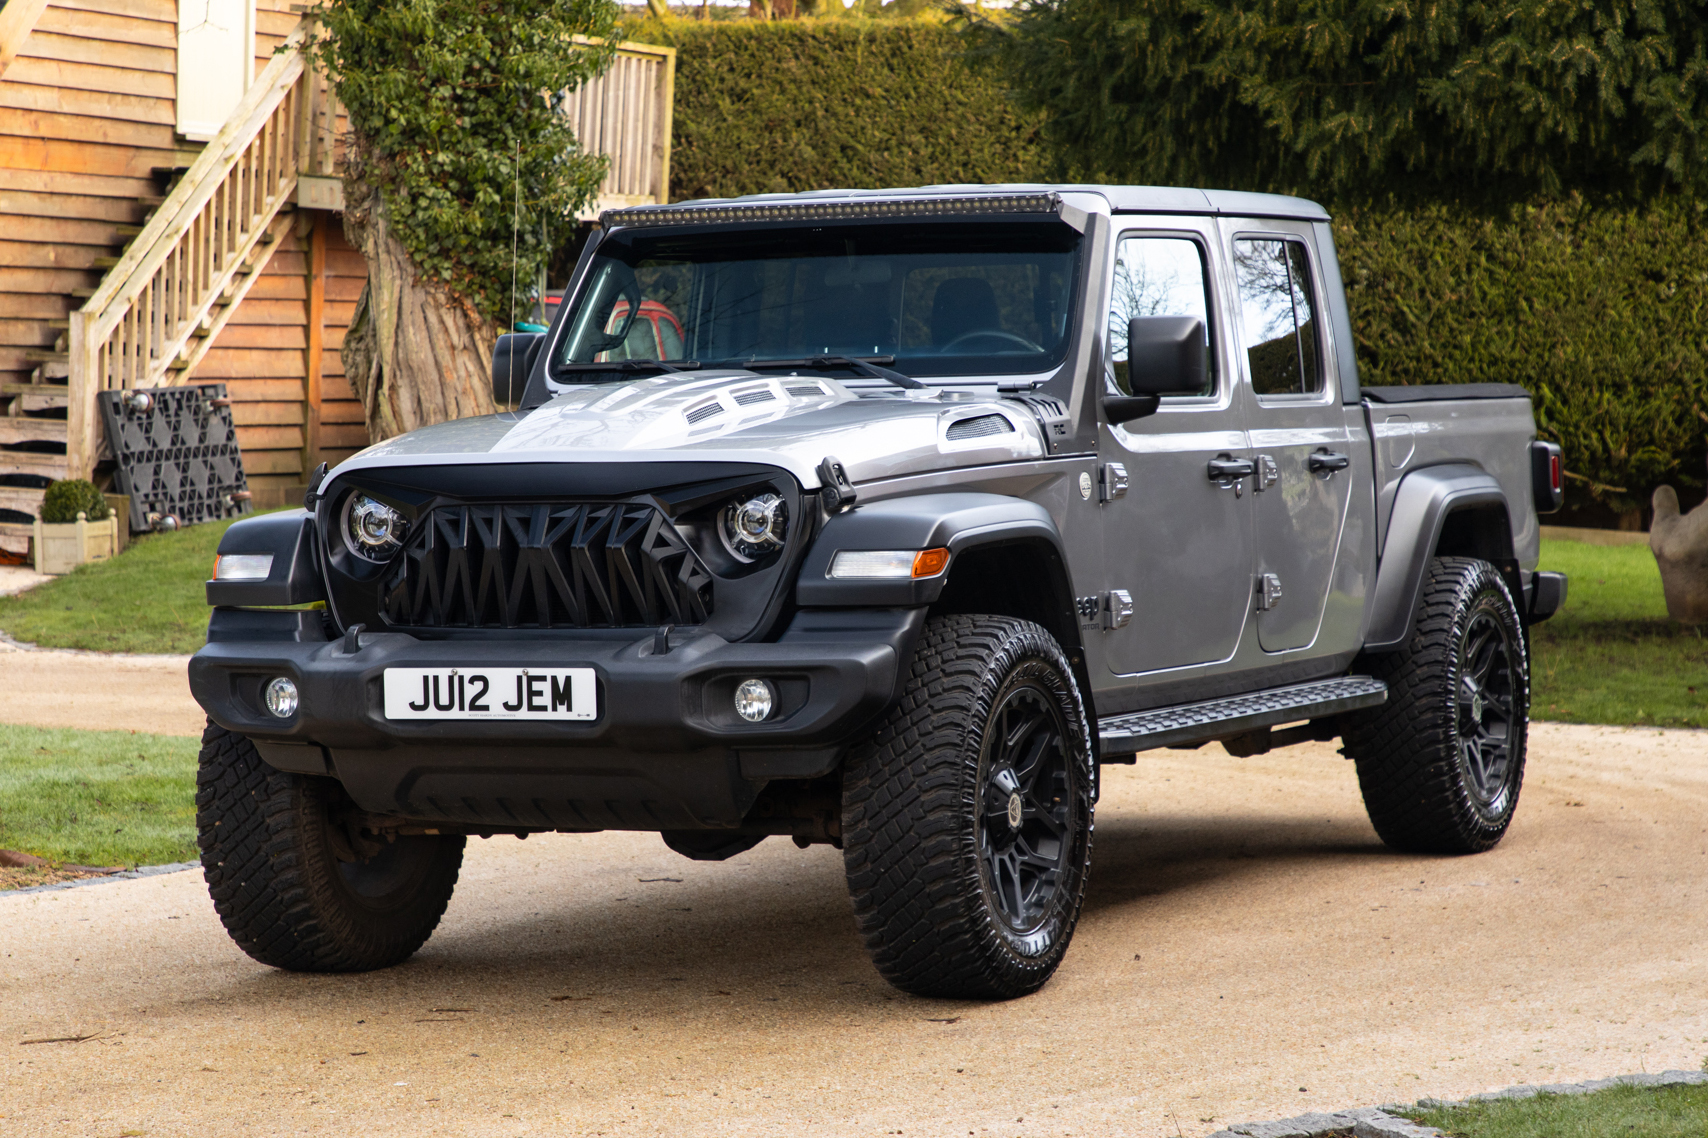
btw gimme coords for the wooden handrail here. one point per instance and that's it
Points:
(156, 313)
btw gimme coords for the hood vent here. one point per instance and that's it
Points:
(703, 412)
(754, 395)
(981, 427)
(806, 390)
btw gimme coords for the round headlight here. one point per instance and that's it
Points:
(282, 697)
(372, 529)
(754, 527)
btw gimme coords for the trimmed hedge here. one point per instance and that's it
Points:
(1602, 312)
(1598, 309)
(766, 107)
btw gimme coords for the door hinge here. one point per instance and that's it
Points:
(1268, 474)
(1117, 608)
(1268, 591)
(1111, 482)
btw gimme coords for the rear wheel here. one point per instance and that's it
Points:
(967, 817)
(296, 881)
(1442, 762)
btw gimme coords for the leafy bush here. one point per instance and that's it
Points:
(765, 107)
(65, 499)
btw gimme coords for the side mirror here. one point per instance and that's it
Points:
(512, 359)
(1118, 409)
(1166, 355)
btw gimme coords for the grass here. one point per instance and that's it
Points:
(1631, 1112)
(148, 599)
(98, 797)
(1611, 655)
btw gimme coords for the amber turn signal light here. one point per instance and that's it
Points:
(930, 562)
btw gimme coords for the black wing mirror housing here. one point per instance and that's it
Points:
(512, 359)
(1166, 355)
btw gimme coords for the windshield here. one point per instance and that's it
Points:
(937, 299)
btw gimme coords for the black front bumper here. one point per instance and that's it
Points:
(667, 750)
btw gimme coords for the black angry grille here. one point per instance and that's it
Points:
(585, 565)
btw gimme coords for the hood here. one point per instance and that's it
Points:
(790, 421)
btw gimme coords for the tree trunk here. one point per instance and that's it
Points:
(415, 353)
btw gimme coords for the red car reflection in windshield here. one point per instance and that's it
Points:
(656, 334)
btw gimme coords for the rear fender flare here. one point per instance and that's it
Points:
(1426, 499)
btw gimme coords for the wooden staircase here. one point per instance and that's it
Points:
(177, 283)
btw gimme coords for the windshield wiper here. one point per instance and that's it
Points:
(867, 366)
(632, 365)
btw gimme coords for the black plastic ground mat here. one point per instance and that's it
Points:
(177, 455)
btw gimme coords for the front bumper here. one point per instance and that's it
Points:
(666, 752)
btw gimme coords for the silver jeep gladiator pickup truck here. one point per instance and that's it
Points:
(877, 519)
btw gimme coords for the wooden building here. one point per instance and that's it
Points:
(168, 214)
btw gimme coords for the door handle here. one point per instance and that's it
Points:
(1325, 462)
(1227, 469)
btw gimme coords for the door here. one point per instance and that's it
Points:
(1296, 427)
(216, 63)
(1176, 541)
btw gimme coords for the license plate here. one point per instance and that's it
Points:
(490, 693)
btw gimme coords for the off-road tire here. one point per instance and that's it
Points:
(922, 845)
(1433, 778)
(278, 884)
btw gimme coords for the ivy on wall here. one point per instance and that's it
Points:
(450, 123)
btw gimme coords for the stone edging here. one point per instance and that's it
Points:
(1377, 1122)
(142, 871)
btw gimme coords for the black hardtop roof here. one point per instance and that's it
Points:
(1121, 199)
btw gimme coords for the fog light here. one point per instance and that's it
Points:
(282, 697)
(754, 700)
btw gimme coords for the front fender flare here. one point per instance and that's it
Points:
(959, 521)
(1422, 505)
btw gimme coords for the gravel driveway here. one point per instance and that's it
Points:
(1248, 951)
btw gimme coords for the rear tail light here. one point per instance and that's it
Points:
(1547, 476)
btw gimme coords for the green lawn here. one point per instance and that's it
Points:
(98, 797)
(149, 598)
(1611, 655)
(1631, 1112)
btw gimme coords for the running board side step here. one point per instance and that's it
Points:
(1236, 714)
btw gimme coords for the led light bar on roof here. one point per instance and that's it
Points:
(838, 210)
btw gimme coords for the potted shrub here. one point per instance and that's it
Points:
(76, 525)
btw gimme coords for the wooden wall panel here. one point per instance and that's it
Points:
(343, 427)
(261, 357)
(86, 116)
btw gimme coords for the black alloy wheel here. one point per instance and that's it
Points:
(1025, 832)
(967, 815)
(1486, 670)
(1442, 762)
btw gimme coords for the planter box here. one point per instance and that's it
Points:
(62, 548)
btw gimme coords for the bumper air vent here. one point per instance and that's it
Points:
(980, 427)
(585, 565)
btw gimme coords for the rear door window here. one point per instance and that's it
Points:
(1278, 310)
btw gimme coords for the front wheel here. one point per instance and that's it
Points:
(296, 881)
(967, 817)
(1441, 763)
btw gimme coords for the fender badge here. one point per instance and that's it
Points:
(1085, 485)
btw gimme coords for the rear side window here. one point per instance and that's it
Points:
(1157, 276)
(1278, 307)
